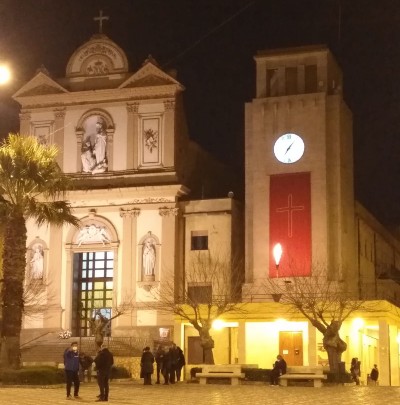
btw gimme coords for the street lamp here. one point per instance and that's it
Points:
(277, 252)
(5, 74)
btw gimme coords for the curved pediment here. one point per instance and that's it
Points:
(97, 57)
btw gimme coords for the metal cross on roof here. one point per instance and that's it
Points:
(100, 19)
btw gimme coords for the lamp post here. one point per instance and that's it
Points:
(277, 252)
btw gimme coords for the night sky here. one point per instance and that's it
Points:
(211, 43)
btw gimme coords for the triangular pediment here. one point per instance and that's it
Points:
(149, 75)
(40, 85)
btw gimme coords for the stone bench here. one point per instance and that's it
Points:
(303, 373)
(229, 371)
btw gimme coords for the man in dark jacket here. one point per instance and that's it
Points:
(104, 361)
(278, 370)
(159, 357)
(174, 360)
(71, 367)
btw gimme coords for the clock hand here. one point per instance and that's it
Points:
(287, 150)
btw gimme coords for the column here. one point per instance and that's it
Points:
(110, 148)
(242, 342)
(394, 356)
(169, 134)
(25, 122)
(127, 277)
(58, 140)
(132, 136)
(383, 353)
(312, 345)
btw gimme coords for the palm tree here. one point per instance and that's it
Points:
(32, 186)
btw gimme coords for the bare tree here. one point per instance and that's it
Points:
(325, 303)
(209, 289)
(99, 323)
(37, 297)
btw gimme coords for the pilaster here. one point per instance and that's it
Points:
(25, 123)
(169, 133)
(127, 277)
(132, 136)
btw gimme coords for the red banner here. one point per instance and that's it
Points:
(290, 224)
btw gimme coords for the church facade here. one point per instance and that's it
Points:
(123, 139)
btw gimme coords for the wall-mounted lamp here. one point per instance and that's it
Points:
(277, 252)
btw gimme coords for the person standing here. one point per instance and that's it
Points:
(166, 367)
(180, 364)
(279, 368)
(71, 367)
(146, 365)
(355, 370)
(173, 358)
(159, 357)
(374, 376)
(104, 361)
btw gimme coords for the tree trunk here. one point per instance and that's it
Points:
(12, 290)
(334, 346)
(207, 343)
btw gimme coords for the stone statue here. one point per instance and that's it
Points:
(88, 160)
(149, 257)
(37, 262)
(99, 149)
(94, 150)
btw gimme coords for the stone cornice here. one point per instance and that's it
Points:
(99, 96)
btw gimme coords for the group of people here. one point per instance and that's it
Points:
(280, 366)
(355, 371)
(74, 362)
(169, 363)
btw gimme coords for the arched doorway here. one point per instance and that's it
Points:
(94, 262)
(93, 274)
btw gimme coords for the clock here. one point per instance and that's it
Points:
(289, 148)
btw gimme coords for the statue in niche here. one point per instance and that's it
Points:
(93, 153)
(149, 258)
(37, 262)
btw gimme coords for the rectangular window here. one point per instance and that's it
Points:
(310, 79)
(291, 80)
(200, 294)
(199, 240)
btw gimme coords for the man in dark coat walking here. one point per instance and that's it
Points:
(146, 364)
(104, 361)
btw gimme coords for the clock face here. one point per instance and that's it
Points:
(289, 148)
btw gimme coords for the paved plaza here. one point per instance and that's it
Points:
(183, 393)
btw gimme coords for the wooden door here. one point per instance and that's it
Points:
(195, 351)
(291, 347)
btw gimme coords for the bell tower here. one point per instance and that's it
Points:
(299, 167)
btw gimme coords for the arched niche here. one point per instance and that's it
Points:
(148, 245)
(93, 126)
(36, 260)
